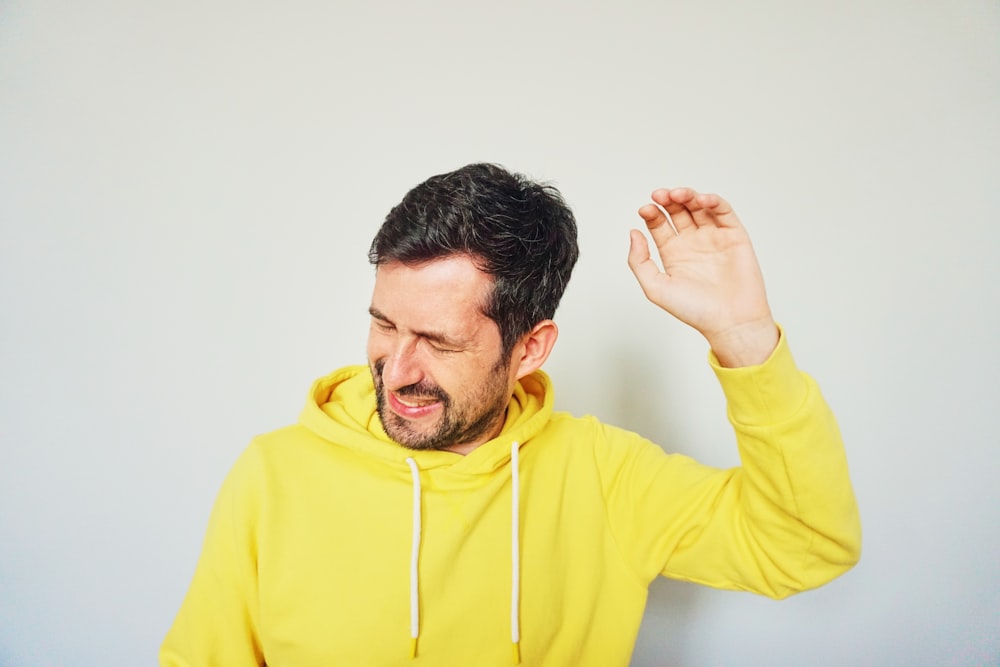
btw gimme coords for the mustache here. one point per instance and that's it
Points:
(421, 389)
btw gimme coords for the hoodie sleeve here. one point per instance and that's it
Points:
(783, 522)
(218, 620)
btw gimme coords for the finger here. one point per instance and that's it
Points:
(673, 201)
(722, 214)
(704, 209)
(701, 215)
(658, 224)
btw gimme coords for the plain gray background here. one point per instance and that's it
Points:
(187, 194)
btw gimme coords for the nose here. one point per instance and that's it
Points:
(401, 366)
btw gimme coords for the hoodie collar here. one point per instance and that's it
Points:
(341, 408)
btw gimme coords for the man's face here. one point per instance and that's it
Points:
(435, 357)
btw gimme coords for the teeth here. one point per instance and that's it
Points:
(413, 404)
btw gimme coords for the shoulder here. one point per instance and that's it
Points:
(589, 426)
(290, 447)
(589, 436)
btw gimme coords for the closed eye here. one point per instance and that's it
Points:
(382, 326)
(441, 349)
(379, 321)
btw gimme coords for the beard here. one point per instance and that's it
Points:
(462, 420)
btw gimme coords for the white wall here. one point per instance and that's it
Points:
(187, 194)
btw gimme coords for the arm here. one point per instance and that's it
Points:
(783, 522)
(218, 620)
(786, 520)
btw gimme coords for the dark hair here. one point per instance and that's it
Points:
(520, 232)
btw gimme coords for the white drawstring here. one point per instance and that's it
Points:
(414, 561)
(515, 556)
(515, 552)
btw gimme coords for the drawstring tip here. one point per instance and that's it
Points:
(413, 648)
(516, 648)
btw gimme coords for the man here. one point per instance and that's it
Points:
(432, 507)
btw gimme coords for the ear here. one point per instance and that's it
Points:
(534, 348)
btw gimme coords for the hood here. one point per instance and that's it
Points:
(341, 408)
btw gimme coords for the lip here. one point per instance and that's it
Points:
(409, 411)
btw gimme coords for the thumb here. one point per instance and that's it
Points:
(643, 267)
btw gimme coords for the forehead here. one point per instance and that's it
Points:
(446, 293)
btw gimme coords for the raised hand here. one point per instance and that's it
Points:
(710, 277)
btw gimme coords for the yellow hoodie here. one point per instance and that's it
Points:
(331, 545)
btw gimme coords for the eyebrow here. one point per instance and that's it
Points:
(433, 336)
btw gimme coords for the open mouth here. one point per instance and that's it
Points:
(413, 407)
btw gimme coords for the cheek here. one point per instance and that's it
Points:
(376, 347)
(466, 380)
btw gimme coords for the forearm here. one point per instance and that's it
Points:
(795, 490)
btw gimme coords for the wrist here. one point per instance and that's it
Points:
(748, 344)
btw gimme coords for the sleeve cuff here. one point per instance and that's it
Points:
(766, 393)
